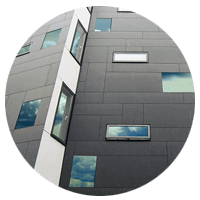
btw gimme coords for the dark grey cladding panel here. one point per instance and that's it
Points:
(133, 82)
(128, 171)
(155, 35)
(84, 128)
(143, 98)
(83, 72)
(105, 42)
(119, 15)
(95, 77)
(81, 86)
(95, 54)
(22, 147)
(104, 9)
(86, 97)
(169, 115)
(189, 97)
(184, 68)
(124, 148)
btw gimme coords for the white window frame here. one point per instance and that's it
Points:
(128, 60)
(127, 137)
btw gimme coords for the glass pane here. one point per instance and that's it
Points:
(28, 114)
(130, 57)
(75, 43)
(83, 171)
(24, 49)
(177, 82)
(126, 131)
(51, 39)
(59, 115)
(78, 42)
(103, 25)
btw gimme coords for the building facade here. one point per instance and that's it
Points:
(99, 100)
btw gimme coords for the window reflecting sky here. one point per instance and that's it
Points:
(83, 171)
(51, 38)
(76, 42)
(103, 24)
(28, 114)
(177, 82)
(59, 115)
(24, 49)
(128, 131)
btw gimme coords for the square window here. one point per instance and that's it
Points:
(24, 50)
(103, 24)
(28, 114)
(83, 171)
(137, 57)
(78, 42)
(128, 132)
(51, 39)
(177, 82)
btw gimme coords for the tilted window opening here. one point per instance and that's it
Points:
(24, 50)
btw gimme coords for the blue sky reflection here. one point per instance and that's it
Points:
(103, 25)
(128, 131)
(83, 171)
(177, 82)
(28, 114)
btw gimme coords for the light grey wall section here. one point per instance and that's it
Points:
(127, 93)
(32, 76)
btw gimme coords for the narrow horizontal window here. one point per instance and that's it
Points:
(28, 114)
(83, 171)
(51, 39)
(130, 57)
(128, 132)
(24, 50)
(103, 24)
(177, 82)
(123, 10)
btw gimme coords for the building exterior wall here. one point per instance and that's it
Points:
(127, 93)
(105, 93)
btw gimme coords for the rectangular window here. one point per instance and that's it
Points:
(24, 50)
(177, 82)
(61, 121)
(27, 114)
(51, 39)
(103, 24)
(124, 10)
(78, 42)
(83, 171)
(137, 57)
(128, 132)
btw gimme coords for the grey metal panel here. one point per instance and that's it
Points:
(63, 35)
(84, 127)
(167, 55)
(43, 29)
(22, 147)
(32, 151)
(189, 97)
(173, 149)
(143, 98)
(52, 74)
(6, 99)
(98, 109)
(169, 134)
(95, 77)
(83, 71)
(56, 19)
(120, 15)
(27, 80)
(133, 114)
(128, 171)
(13, 107)
(140, 67)
(37, 42)
(59, 25)
(104, 9)
(184, 68)
(105, 42)
(132, 25)
(39, 93)
(155, 35)
(133, 82)
(95, 54)
(28, 134)
(86, 97)
(169, 115)
(120, 148)
(69, 14)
